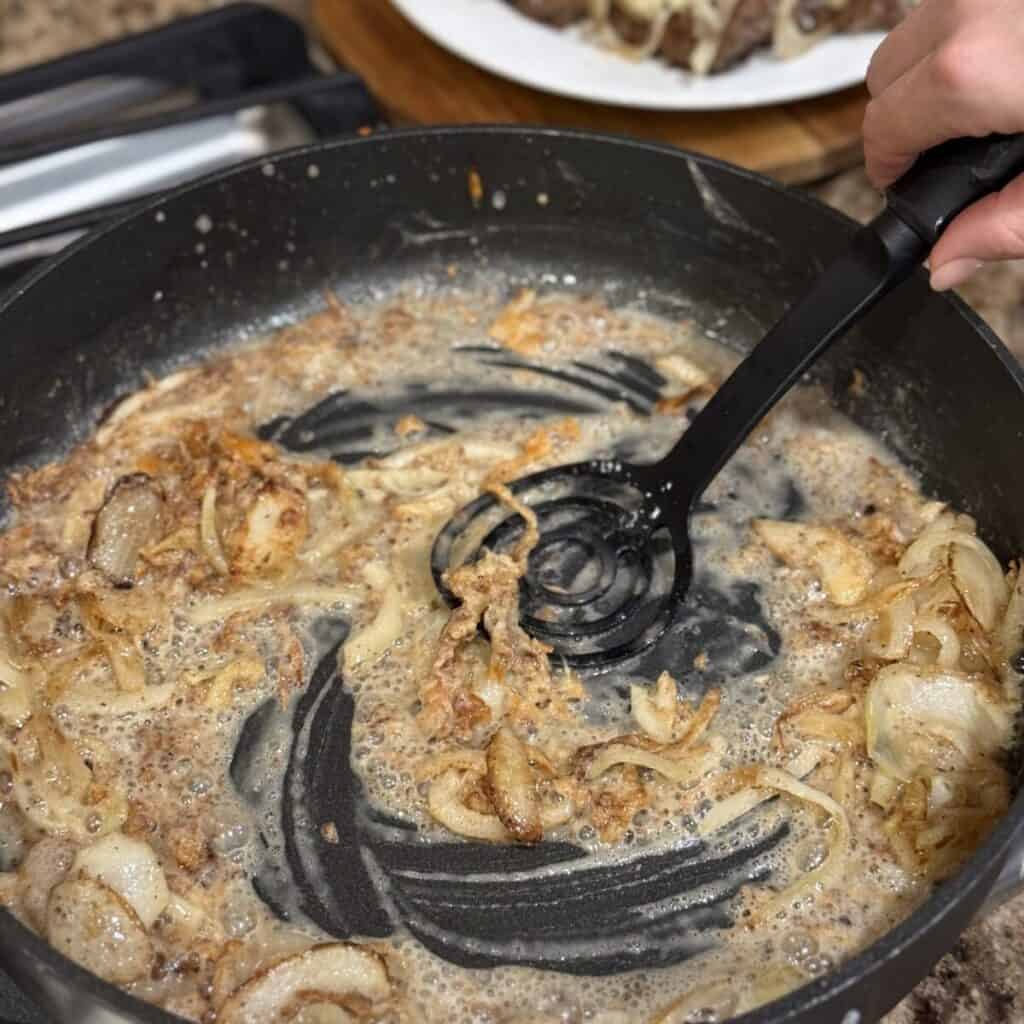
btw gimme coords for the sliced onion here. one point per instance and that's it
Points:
(52, 784)
(46, 864)
(15, 698)
(926, 553)
(315, 1008)
(120, 648)
(133, 404)
(241, 674)
(94, 700)
(877, 602)
(732, 807)
(474, 761)
(336, 971)
(219, 609)
(401, 481)
(208, 534)
(131, 518)
(182, 923)
(240, 961)
(445, 804)
(656, 715)
(839, 835)
(512, 788)
(268, 537)
(369, 643)
(129, 867)
(89, 923)
(893, 631)
(494, 693)
(678, 369)
(698, 723)
(814, 723)
(884, 790)
(945, 634)
(916, 718)
(979, 580)
(843, 568)
(686, 770)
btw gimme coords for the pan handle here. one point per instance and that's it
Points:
(947, 179)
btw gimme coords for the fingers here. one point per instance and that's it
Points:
(935, 100)
(992, 229)
(920, 33)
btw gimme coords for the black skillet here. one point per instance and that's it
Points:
(683, 235)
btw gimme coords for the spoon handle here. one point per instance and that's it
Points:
(947, 179)
(943, 182)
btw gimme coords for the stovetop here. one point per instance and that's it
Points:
(86, 137)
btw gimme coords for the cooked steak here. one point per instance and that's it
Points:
(749, 27)
(676, 42)
(695, 39)
(554, 12)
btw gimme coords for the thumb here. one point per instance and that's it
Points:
(992, 229)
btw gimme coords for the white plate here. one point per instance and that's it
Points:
(495, 36)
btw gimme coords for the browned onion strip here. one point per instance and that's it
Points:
(701, 760)
(262, 598)
(744, 799)
(121, 651)
(208, 531)
(335, 971)
(512, 788)
(698, 724)
(445, 802)
(840, 834)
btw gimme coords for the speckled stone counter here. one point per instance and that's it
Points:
(982, 980)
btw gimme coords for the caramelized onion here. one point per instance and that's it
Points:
(130, 518)
(691, 768)
(91, 924)
(336, 971)
(919, 720)
(254, 599)
(656, 715)
(445, 803)
(369, 643)
(842, 567)
(131, 869)
(512, 788)
(208, 534)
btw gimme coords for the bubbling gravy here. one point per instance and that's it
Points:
(252, 764)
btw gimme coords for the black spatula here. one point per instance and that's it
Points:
(614, 558)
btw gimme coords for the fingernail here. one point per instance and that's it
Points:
(954, 273)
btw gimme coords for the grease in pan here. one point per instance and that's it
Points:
(254, 766)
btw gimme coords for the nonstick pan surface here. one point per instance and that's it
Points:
(239, 253)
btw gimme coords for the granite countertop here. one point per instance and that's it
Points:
(982, 980)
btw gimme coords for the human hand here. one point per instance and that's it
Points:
(952, 69)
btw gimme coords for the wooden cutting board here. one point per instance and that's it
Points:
(418, 82)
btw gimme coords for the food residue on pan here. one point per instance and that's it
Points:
(165, 582)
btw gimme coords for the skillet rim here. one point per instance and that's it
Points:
(988, 859)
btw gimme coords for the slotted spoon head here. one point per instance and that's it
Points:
(611, 565)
